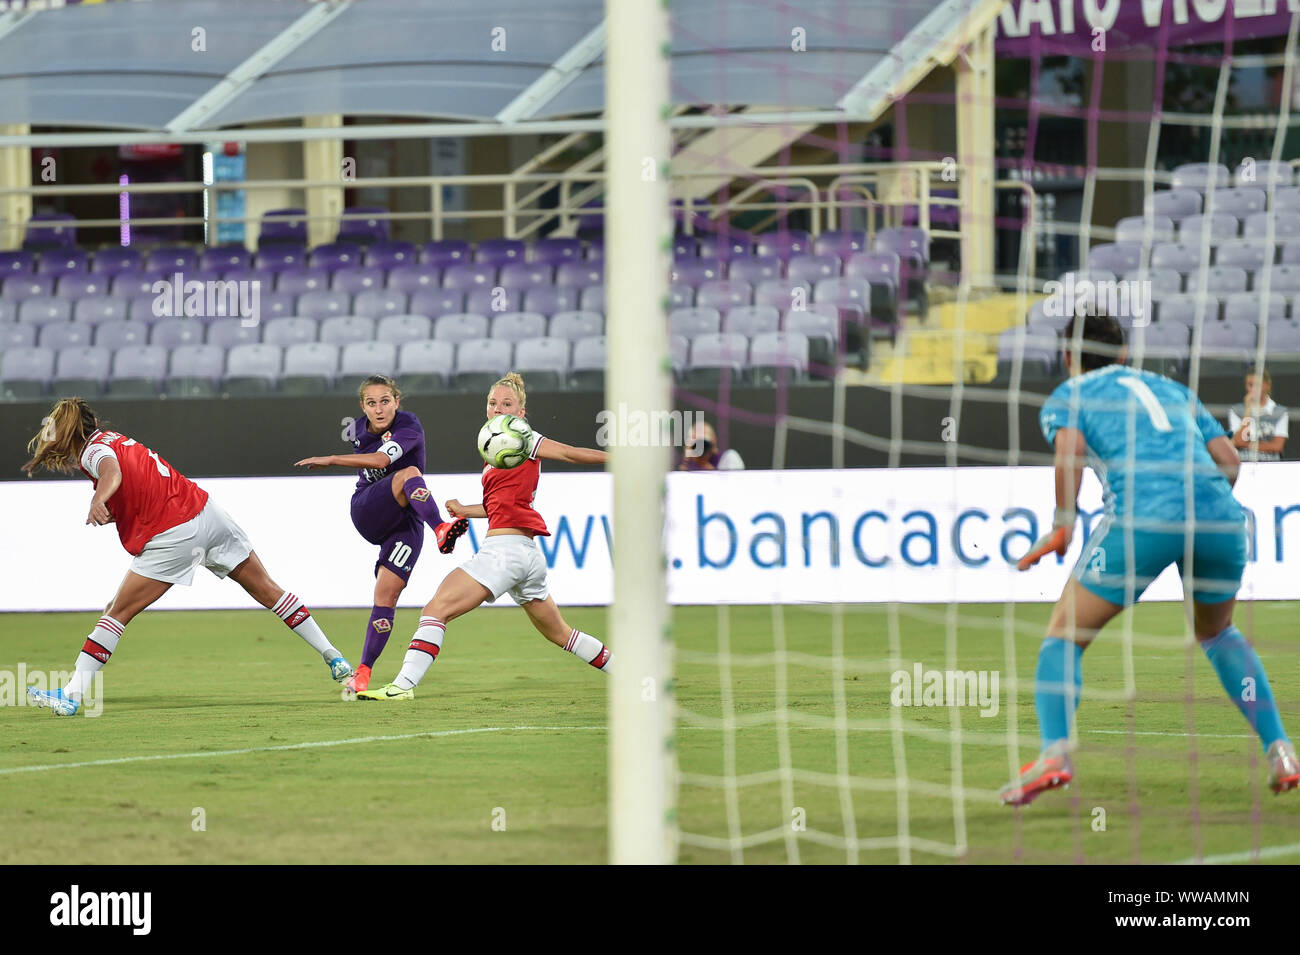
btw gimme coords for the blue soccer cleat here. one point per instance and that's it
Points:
(340, 669)
(55, 700)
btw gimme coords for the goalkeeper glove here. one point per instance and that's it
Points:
(1057, 539)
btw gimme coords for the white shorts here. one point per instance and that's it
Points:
(510, 563)
(212, 540)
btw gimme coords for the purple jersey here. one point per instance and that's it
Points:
(403, 443)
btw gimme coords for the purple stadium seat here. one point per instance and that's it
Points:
(223, 258)
(414, 278)
(693, 322)
(784, 245)
(41, 310)
(1036, 354)
(301, 281)
(336, 256)
(588, 362)
(1290, 253)
(115, 335)
(580, 274)
(25, 372)
(62, 335)
(596, 251)
(696, 272)
(822, 332)
(283, 226)
(1183, 309)
(345, 329)
(1286, 225)
(81, 285)
(391, 255)
(679, 296)
(276, 305)
(1229, 342)
(882, 270)
(1175, 255)
(279, 257)
(813, 268)
(771, 351)
(842, 244)
(16, 263)
(8, 311)
(1162, 346)
(1163, 281)
(1249, 254)
(844, 293)
(50, 230)
(324, 304)
(751, 320)
(469, 275)
(905, 241)
(137, 372)
(253, 369)
(142, 309)
(290, 331)
(112, 261)
(460, 328)
(82, 368)
(1286, 199)
(556, 251)
(1219, 280)
(1246, 306)
(195, 370)
(549, 299)
(380, 303)
(724, 248)
(1263, 172)
(715, 354)
(724, 294)
(369, 225)
(1139, 229)
(1199, 175)
(516, 326)
(171, 332)
(358, 279)
(1221, 227)
(404, 328)
(264, 278)
(1284, 338)
(574, 325)
(171, 259)
(783, 294)
(309, 368)
(229, 332)
(487, 301)
(362, 359)
(19, 336)
(62, 261)
(1282, 278)
(543, 361)
(754, 269)
(525, 275)
(480, 361)
(500, 252)
(435, 302)
(425, 365)
(1115, 257)
(592, 298)
(685, 247)
(19, 287)
(442, 253)
(1239, 202)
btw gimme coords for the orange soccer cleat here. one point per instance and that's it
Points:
(1283, 767)
(360, 680)
(448, 533)
(1051, 770)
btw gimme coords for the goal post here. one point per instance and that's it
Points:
(638, 378)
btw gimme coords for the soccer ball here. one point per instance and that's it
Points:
(503, 441)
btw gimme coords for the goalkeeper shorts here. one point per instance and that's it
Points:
(1119, 563)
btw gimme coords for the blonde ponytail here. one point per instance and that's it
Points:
(62, 438)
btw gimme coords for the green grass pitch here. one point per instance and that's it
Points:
(502, 756)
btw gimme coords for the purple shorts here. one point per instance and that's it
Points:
(397, 530)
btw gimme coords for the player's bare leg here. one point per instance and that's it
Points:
(550, 623)
(252, 576)
(458, 594)
(409, 490)
(134, 594)
(1243, 677)
(1075, 622)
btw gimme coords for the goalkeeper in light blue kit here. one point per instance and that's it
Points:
(1167, 469)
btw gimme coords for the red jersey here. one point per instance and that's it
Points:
(154, 496)
(508, 493)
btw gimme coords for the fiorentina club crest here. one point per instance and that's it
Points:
(383, 626)
(387, 436)
(420, 494)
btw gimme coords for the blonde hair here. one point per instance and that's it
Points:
(515, 382)
(381, 380)
(63, 435)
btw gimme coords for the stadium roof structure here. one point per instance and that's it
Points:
(179, 70)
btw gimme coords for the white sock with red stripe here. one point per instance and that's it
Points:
(99, 646)
(586, 647)
(298, 618)
(422, 652)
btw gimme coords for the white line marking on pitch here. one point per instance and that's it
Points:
(1270, 852)
(1160, 733)
(290, 746)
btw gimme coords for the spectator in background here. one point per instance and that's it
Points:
(703, 453)
(1258, 418)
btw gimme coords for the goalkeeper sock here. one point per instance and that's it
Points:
(378, 631)
(422, 502)
(298, 618)
(586, 647)
(422, 652)
(1056, 697)
(99, 646)
(1243, 676)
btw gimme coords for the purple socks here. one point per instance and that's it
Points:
(422, 502)
(377, 634)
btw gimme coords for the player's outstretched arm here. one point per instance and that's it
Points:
(456, 509)
(1225, 456)
(555, 451)
(376, 459)
(110, 479)
(1071, 453)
